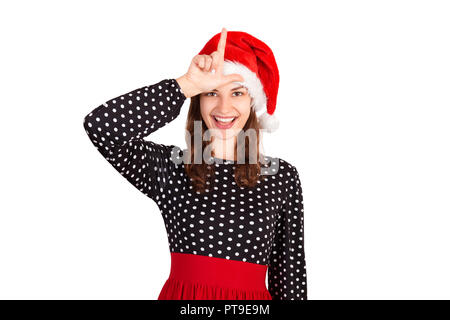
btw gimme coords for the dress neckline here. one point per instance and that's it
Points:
(222, 161)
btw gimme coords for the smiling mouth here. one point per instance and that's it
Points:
(224, 123)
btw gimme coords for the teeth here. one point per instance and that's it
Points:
(224, 119)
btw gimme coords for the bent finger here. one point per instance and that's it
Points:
(215, 60)
(208, 63)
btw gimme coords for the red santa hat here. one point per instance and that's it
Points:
(255, 62)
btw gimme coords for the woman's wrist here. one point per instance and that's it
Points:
(187, 87)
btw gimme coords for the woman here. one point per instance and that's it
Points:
(229, 219)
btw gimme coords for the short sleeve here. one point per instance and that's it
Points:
(287, 264)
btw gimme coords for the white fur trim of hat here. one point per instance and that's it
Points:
(267, 121)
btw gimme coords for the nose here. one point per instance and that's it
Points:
(224, 105)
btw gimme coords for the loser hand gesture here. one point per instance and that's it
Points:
(206, 71)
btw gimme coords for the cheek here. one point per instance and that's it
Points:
(243, 121)
(245, 113)
(205, 110)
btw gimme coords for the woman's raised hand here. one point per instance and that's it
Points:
(205, 71)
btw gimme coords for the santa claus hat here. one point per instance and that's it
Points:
(255, 62)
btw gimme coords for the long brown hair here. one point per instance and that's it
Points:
(202, 174)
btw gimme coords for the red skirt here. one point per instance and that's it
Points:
(197, 277)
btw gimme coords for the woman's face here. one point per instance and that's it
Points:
(219, 106)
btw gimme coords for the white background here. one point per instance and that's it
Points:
(364, 110)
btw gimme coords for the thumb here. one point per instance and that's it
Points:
(233, 77)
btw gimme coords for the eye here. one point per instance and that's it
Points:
(207, 94)
(241, 93)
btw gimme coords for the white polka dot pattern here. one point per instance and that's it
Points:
(262, 225)
(287, 269)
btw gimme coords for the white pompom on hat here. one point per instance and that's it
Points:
(255, 62)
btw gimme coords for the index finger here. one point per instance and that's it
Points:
(222, 43)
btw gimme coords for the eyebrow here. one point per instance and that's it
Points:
(231, 89)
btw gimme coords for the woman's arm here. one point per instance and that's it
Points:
(117, 128)
(287, 265)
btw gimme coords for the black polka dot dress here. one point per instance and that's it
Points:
(225, 241)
